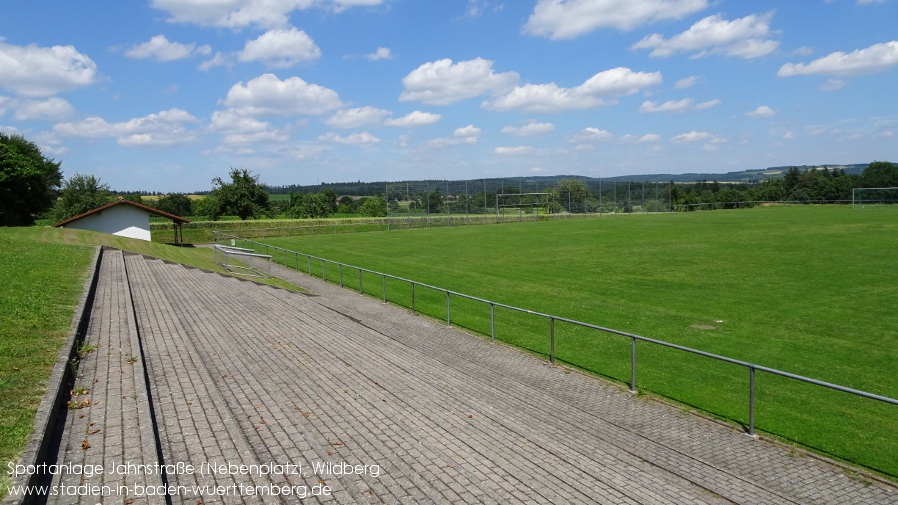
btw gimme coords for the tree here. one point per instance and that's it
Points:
(205, 207)
(571, 193)
(244, 196)
(175, 203)
(28, 181)
(375, 206)
(80, 194)
(880, 174)
(306, 206)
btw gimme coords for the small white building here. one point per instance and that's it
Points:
(124, 218)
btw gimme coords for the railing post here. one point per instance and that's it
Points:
(384, 287)
(552, 340)
(448, 311)
(341, 275)
(323, 271)
(492, 322)
(413, 298)
(632, 364)
(360, 282)
(751, 401)
(309, 258)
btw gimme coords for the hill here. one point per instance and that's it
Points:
(360, 188)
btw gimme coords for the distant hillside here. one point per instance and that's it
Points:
(360, 188)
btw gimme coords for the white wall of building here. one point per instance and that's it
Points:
(122, 220)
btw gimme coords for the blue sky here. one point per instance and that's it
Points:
(165, 95)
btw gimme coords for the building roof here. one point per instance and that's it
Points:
(121, 201)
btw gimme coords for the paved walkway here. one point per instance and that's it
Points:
(342, 399)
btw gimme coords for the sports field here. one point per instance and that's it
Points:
(808, 290)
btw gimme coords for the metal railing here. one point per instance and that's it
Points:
(752, 368)
(221, 254)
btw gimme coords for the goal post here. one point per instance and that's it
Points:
(521, 201)
(873, 196)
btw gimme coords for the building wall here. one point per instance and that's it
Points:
(122, 220)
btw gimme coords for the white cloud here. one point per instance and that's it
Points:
(788, 136)
(833, 85)
(442, 82)
(467, 131)
(219, 60)
(464, 135)
(566, 19)
(230, 122)
(514, 151)
(745, 37)
(34, 71)
(359, 116)
(281, 48)
(160, 48)
(243, 13)
(413, 119)
(687, 82)
(167, 128)
(267, 95)
(876, 58)
(693, 136)
(649, 138)
(677, 106)
(712, 141)
(591, 135)
(354, 139)
(52, 109)
(341, 5)
(382, 53)
(476, 8)
(530, 129)
(238, 131)
(761, 112)
(549, 98)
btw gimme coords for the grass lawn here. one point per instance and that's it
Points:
(808, 290)
(42, 274)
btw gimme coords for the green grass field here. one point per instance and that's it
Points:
(808, 290)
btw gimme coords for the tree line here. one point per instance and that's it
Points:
(32, 187)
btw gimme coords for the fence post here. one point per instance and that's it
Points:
(323, 271)
(448, 311)
(341, 275)
(384, 286)
(492, 323)
(413, 297)
(632, 364)
(552, 340)
(309, 258)
(360, 282)
(751, 401)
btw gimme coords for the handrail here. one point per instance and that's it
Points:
(752, 367)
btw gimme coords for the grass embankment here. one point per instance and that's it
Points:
(42, 284)
(201, 232)
(42, 273)
(808, 290)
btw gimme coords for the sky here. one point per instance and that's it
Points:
(165, 95)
